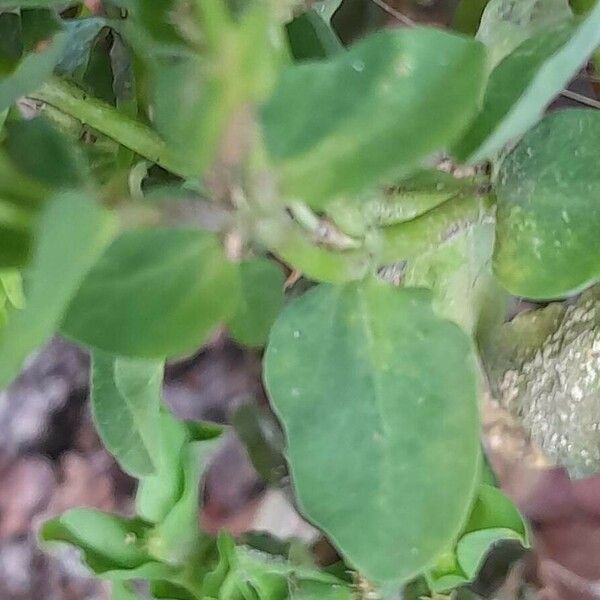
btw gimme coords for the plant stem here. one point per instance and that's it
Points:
(73, 101)
(405, 240)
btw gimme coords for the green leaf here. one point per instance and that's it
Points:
(311, 37)
(71, 235)
(12, 284)
(472, 549)
(378, 398)
(154, 293)
(468, 15)
(38, 150)
(158, 493)
(548, 215)
(263, 441)
(370, 111)
(31, 72)
(126, 403)
(82, 34)
(459, 272)
(15, 244)
(493, 518)
(108, 541)
(175, 539)
(525, 82)
(262, 299)
(243, 572)
(507, 23)
(493, 510)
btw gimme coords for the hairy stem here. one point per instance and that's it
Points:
(73, 101)
(405, 240)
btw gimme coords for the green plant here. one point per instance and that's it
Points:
(184, 152)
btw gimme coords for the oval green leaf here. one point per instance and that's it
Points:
(262, 298)
(364, 117)
(71, 235)
(378, 397)
(525, 82)
(549, 208)
(126, 396)
(505, 24)
(154, 293)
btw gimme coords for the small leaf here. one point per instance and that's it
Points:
(71, 235)
(175, 539)
(548, 214)
(154, 293)
(525, 82)
(369, 369)
(262, 299)
(505, 24)
(81, 35)
(459, 272)
(109, 542)
(311, 37)
(474, 547)
(158, 493)
(492, 509)
(12, 283)
(493, 518)
(126, 402)
(369, 111)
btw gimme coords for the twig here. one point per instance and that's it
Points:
(394, 13)
(581, 98)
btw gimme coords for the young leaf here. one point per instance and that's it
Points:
(12, 284)
(378, 398)
(492, 509)
(311, 37)
(81, 36)
(158, 493)
(154, 293)
(369, 111)
(548, 214)
(126, 403)
(72, 233)
(525, 82)
(472, 549)
(109, 542)
(493, 518)
(459, 272)
(262, 298)
(505, 24)
(176, 537)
